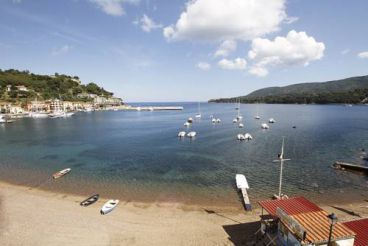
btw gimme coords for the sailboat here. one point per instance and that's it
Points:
(239, 117)
(257, 117)
(198, 115)
(281, 160)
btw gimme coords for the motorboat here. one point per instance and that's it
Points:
(109, 206)
(235, 120)
(240, 137)
(38, 115)
(271, 120)
(247, 136)
(265, 126)
(218, 120)
(257, 117)
(90, 200)
(2, 119)
(191, 134)
(190, 120)
(187, 124)
(214, 120)
(61, 173)
(181, 134)
(241, 125)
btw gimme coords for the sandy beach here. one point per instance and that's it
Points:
(36, 217)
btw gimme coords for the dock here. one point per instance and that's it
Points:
(246, 201)
(350, 166)
(158, 108)
(242, 185)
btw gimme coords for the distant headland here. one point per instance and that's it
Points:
(352, 90)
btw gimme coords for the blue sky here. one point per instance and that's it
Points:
(147, 50)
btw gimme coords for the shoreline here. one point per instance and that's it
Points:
(63, 221)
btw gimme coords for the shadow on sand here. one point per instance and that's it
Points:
(347, 211)
(242, 234)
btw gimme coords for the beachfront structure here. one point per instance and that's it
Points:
(35, 106)
(56, 105)
(104, 101)
(297, 221)
(360, 227)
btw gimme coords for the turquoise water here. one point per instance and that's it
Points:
(137, 155)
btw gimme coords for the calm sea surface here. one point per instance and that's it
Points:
(137, 155)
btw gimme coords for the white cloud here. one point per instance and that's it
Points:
(297, 48)
(236, 64)
(345, 51)
(226, 47)
(258, 71)
(363, 54)
(62, 50)
(113, 7)
(219, 20)
(204, 66)
(291, 19)
(147, 24)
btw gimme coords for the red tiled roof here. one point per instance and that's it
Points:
(360, 227)
(317, 226)
(291, 206)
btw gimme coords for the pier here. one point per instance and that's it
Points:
(157, 108)
(245, 198)
(350, 166)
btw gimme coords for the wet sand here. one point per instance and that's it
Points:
(36, 217)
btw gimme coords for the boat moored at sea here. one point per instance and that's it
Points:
(199, 115)
(191, 134)
(181, 134)
(247, 136)
(61, 173)
(271, 120)
(90, 200)
(190, 120)
(265, 126)
(241, 125)
(187, 124)
(38, 115)
(240, 137)
(109, 206)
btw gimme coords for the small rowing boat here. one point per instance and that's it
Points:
(90, 200)
(109, 206)
(61, 173)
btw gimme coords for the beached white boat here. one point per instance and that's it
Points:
(271, 120)
(181, 134)
(191, 134)
(109, 206)
(264, 126)
(187, 124)
(247, 136)
(241, 125)
(90, 200)
(61, 173)
(242, 185)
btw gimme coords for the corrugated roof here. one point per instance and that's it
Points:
(295, 205)
(317, 226)
(360, 227)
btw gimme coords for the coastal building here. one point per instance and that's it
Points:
(99, 101)
(34, 106)
(56, 105)
(22, 88)
(360, 227)
(297, 221)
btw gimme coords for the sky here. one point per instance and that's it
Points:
(194, 50)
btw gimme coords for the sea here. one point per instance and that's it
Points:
(137, 156)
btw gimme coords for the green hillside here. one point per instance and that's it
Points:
(350, 90)
(44, 87)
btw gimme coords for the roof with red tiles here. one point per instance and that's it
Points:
(360, 227)
(291, 206)
(317, 226)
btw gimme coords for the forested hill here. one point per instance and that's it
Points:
(23, 85)
(350, 90)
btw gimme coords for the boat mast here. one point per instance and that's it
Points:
(281, 160)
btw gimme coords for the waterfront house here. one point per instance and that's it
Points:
(56, 105)
(297, 221)
(22, 88)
